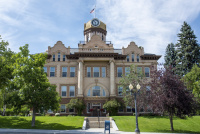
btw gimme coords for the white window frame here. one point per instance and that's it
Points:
(118, 71)
(88, 71)
(96, 72)
(53, 72)
(73, 72)
(70, 91)
(62, 91)
(103, 74)
(64, 72)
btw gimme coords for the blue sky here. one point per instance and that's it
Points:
(149, 23)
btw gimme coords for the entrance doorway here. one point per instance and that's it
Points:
(96, 109)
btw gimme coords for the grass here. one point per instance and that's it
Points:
(158, 124)
(42, 122)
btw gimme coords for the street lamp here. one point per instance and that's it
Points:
(137, 131)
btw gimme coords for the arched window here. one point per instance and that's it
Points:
(96, 91)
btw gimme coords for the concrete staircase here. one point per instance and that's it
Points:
(95, 122)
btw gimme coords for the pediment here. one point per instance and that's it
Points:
(58, 47)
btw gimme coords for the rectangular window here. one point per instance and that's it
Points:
(63, 57)
(52, 71)
(121, 109)
(147, 72)
(138, 58)
(72, 91)
(72, 71)
(127, 70)
(59, 56)
(71, 110)
(49, 111)
(132, 56)
(119, 71)
(128, 109)
(127, 58)
(88, 71)
(45, 70)
(95, 71)
(54, 57)
(62, 109)
(64, 71)
(96, 91)
(103, 69)
(88, 107)
(120, 90)
(139, 71)
(63, 91)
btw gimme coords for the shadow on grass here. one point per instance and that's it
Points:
(20, 123)
(176, 131)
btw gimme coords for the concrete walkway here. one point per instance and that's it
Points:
(79, 131)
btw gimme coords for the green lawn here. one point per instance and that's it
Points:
(158, 124)
(42, 122)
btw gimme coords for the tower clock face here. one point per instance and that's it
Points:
(95, 22)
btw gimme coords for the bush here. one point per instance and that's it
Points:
(112, 106)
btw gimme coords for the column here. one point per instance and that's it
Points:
(80, 79)
(112, 78)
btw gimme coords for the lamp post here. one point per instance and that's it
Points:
(137, 131)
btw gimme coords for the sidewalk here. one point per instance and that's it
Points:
(79, 131)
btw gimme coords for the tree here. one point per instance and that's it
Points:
(188, 50)
(35, 89)
(112, 106)
(6, 69)
(168, 94)
(192, 81)
(78, 104)
(170, 55)
(134, 77)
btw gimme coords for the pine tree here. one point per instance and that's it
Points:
(188, 50)
(170, 55)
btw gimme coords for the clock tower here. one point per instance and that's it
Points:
(94, 27)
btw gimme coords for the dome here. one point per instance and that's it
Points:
(88, 25)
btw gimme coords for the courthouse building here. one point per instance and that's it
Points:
(92, 70)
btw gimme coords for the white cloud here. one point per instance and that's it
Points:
(151, 24)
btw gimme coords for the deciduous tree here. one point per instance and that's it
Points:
(78, 104)
(35, 89)
(168, 94)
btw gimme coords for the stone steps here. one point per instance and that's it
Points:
(94, 122)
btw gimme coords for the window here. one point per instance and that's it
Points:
(59, 56)
(138, 58)
(103, 69)
(147, 71)
(54, 57)
(88, 107)
(127, 58)
(45, 70)
(87, 38)
(139, 71)
(127, 70)
(62, 109)
(64, 57)
(72, 71)
(88, 71)
(102, 37)
(96, 91)
(49, 111)
(120, 90)
(121, 109)
(52, 71)
(95, 71)
(104, 93)
(71, 110)
(128, 109)
(88, 94)
(72, 91)
(63, 91)
(132, 56)
(64, 71)
(119, 71)
(148, 88)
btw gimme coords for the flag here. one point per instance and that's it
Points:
(92, 10)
